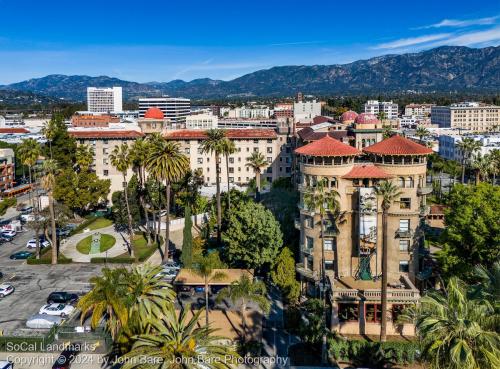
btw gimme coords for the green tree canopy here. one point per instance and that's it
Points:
(254, 238)
(472, 228)
(283, 275)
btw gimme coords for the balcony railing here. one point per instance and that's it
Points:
(306, 249)
(345, 294)
(404, 233)
(424, 190)
(308, 273)
(402, 294)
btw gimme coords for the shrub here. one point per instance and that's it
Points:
(7, 203)
(46, 258)
(115, 260)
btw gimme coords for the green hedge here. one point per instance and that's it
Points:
(115, 260)
(364, 352)
(7, 203)
(47, 259)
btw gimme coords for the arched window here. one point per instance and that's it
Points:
(409, 182)
(333, 182)
(401, 182)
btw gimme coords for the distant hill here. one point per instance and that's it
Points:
(447, 68)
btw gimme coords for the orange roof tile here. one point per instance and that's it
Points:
(327, 146)
(13, 130)
(106, 134)
(366, 171)
(235, 134)
(397, 145)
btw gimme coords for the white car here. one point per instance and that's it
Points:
(31, 244)
(9, 233)
(171, 265)
(5, 289)
(57, 309)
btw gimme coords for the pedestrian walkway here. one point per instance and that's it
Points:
(68, 247)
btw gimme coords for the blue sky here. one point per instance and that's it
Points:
(186, 39)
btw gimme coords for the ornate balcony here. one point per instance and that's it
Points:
(404, 233)
(308, 273)
(424, 190)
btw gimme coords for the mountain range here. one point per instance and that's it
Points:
(443, 69)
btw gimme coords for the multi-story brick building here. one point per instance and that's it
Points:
(352, 242)
(92, 121)
(7, 169)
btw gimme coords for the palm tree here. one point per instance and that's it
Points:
(422, 133)
(257, 161)
(483, 165)
(48, 184)
(121, 159)
(322, 200)
(84, 157)
(166, 162)
(140, 151)
(242, 292)
(49, 131)
(215, 143)
(495, 164)
(206, 267)
(457, 331)
(389, 192)
(147, 293)
(106, 300)
(468, 146)
(178, 342)
(229, 148)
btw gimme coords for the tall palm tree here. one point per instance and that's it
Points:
(106, 300)
(121, 159)
(206, 267)
(178, 342)
(242, 292)
(166, 162)
(468, 146)
(457, 331)
(50, 131)
(388, 192)
(322, 200)
(257, 161)
(422, 133)
(48, 184)
(229, 148)
(482, 164)
(140, 151)
(215, 144)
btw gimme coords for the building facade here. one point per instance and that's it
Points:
(93, 120)
(345, 260)
(305, 110)
(246, 141)
(174, 109)
(471, 116)
(104, 99)
(419, 110)
(7, 169)
(376, 107)
(202, 121)
(448, 145)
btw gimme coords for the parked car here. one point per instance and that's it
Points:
(66, 358)
(26, 210)
(5, 290)
(20, 255)
(39, 321)
(9, 233)
(61, 310)
(63, 232)
(62, 298)
(171, 265)
(31, 244)
(4, 364)
(6, 238)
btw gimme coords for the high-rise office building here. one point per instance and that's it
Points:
(104, 99)
(174, 109)
(471, 116)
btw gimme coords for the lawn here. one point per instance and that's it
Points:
(97, 223)
(107, 242)
(141, 247)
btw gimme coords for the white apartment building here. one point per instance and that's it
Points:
(104, 99)
(202, 121)
(247, 123)
(448, 145)
(471, 116)
(419, 110)
(11, 120)
(252, 112)
(388, 107)
(304, 110)
(175, 109)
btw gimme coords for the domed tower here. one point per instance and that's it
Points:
(348, 117)
(325, 160)
(406, 162)
(367, 130)
(153, 121)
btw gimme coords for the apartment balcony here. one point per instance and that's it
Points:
(296, 223)
(307, 273)
(404, 233)
(306, 249)
(330, 232)
(424, 190)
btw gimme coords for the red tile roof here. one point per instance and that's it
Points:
(397, 145)
(13, 130)
(437, 209)
(308, 134)
(327, 146)
(235, 134)
(118, 134)
(322, 119)
(366, 171)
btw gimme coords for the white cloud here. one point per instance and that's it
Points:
(462, 22)
(491, 36)
(403, 42)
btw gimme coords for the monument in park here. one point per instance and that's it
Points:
(95, 245)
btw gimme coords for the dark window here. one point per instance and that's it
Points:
(348, 312)
(373, 313)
